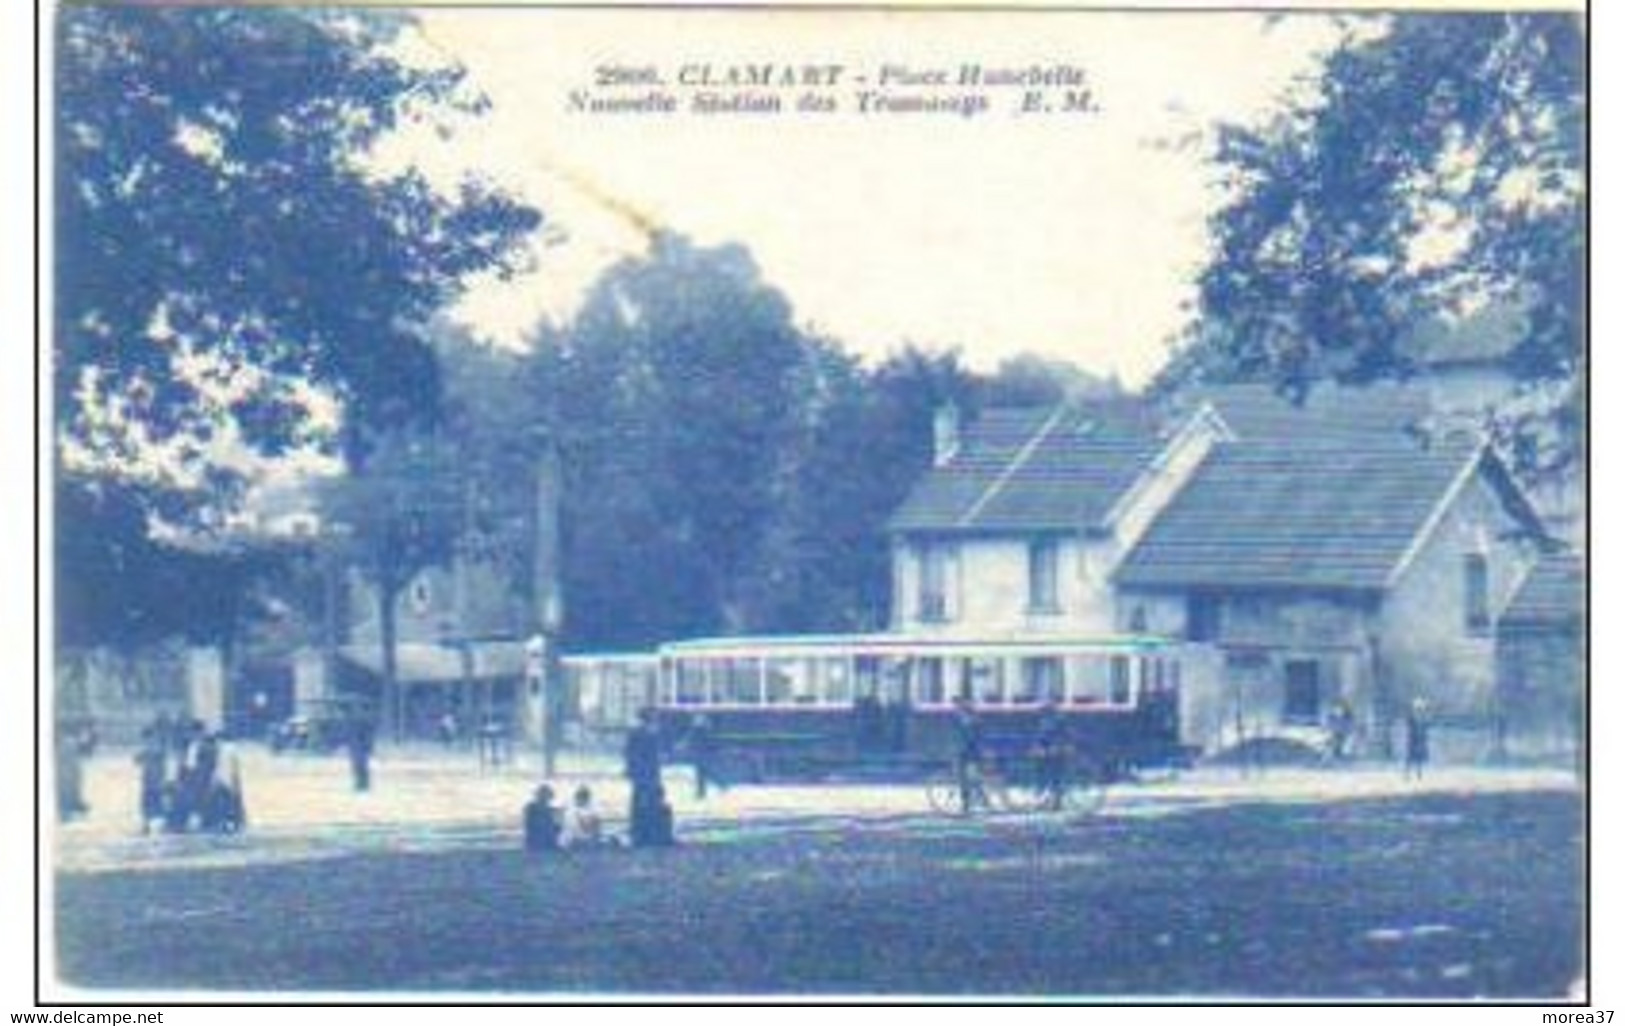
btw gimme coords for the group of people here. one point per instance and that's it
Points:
(1418, 725)
(580, 826)
(190, 779)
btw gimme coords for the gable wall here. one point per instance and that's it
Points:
(1426, 647)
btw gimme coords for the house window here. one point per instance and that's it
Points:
(1043, 576)
(1476, 578)
(1302, 691)
(1202, 617)
(936, 572)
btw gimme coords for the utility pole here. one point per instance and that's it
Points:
(543, 666)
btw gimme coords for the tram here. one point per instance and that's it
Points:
(884, 704)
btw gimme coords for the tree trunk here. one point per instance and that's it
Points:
(388, 699)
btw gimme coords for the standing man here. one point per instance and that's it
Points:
(968, 755)
(152, 762)
(1050, 753)
(359, 742)
(1341, 727)
(1416, 738)
(70, 773)
(651, 815)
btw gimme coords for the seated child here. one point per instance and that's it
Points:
(583, 827)
(541, 822)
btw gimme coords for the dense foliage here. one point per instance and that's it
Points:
(233, 280)
(1438, 169)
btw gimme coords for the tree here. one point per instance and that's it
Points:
(1439, 169)
(864, 440)
(234, 280)
(399, 513)
(129, 590)
(672, 399)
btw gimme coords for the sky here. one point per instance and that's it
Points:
(1073, 236)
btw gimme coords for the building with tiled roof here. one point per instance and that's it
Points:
(1354, 548)
(1540, 645)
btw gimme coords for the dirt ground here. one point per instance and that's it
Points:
(1218, 887)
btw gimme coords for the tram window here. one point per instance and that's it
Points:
(931, 689)
(867, 684)
(837, 682)
(741, 681)
(806, 682)
(988, 679)
(781, 683)
(690, 683)
(1040, 680)
(1090, 683)
(1121, 688)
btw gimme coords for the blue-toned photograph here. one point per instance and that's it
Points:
(582, 504)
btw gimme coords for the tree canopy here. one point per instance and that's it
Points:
(726, 470)
(223, 248)
(234, 279)
(1438, 168)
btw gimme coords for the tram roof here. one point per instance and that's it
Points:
(902, 644)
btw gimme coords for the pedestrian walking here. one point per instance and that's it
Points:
(1416, 738)
(358, 744)
(152, 762)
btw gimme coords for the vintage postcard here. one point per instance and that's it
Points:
(887, 503)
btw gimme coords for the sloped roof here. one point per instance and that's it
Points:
(1306, 516)
(1019, 470)
(1550, 597)
(1329, 493)
(1328, 418)
(426, 662)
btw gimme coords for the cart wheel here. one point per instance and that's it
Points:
(1086, 792)
(942, 794)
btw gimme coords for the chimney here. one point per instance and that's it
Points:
(944, 434)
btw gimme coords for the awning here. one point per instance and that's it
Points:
(427, 662)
